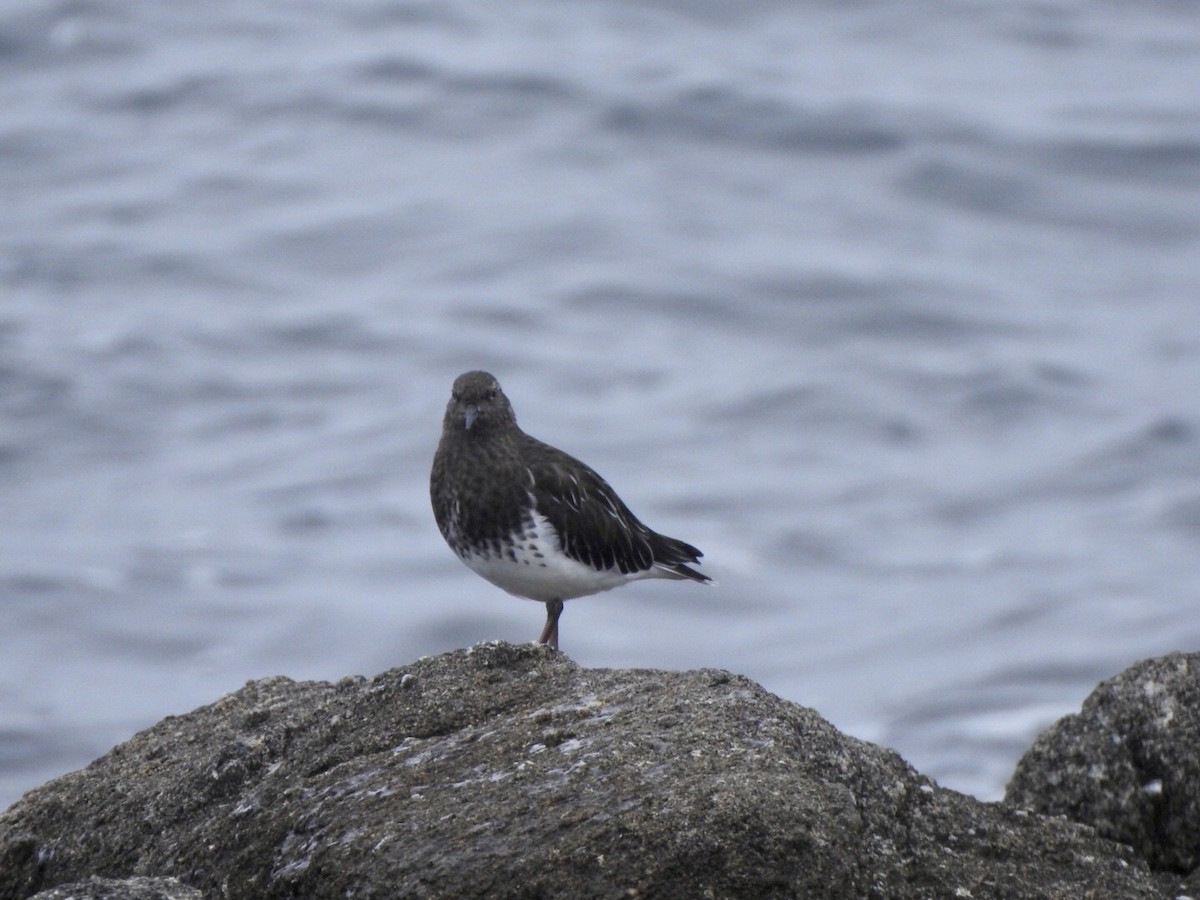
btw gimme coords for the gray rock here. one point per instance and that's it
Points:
(509, 772)
(1128, 763)
(122, 889)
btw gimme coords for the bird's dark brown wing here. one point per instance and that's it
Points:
(594, 526)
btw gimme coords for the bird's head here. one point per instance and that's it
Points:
(477, 405)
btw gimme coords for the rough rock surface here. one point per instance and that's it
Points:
(1128, 763)
(122, 889)
(508, 771)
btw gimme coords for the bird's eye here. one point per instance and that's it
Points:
(491, 394)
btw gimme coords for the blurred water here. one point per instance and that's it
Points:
(889, 307)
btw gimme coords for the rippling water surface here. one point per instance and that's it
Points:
(890, 307)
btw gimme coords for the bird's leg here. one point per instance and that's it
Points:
(550, 632)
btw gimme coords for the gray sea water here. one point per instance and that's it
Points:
(893, 308)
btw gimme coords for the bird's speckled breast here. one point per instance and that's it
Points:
(478, 507)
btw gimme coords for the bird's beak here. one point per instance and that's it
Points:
(469, 415)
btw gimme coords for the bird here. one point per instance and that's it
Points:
(531, 519)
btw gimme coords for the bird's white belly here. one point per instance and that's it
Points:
(532, 565)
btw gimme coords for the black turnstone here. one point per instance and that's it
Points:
(531, 519)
